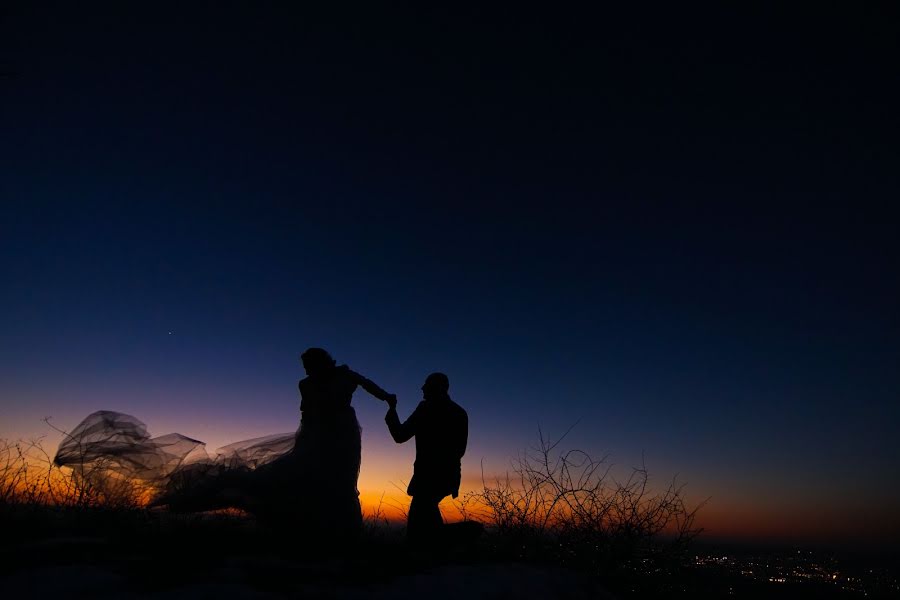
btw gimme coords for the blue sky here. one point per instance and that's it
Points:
(693, 260)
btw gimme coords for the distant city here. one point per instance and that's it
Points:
(791, 573)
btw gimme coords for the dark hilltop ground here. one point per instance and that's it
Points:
(50, 552)
(140, 554)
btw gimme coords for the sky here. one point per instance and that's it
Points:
(675, 231)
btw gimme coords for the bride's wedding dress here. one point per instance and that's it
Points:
(308, 477)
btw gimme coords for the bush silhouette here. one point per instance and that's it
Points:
(567, 507)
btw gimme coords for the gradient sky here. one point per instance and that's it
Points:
(675, 229)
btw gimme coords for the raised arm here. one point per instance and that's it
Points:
(369, 386)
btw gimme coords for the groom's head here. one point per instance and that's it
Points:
(436, 386)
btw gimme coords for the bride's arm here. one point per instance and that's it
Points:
(369, 386)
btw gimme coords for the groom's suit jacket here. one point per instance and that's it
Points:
(441, 429)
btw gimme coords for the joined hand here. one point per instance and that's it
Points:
(392, 400)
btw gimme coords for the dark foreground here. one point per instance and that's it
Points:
(51, 553)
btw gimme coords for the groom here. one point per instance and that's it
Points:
(441, 429)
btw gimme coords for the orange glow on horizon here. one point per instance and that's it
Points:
(382, 496)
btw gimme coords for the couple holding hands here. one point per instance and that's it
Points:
(329, 427)
(303, 481)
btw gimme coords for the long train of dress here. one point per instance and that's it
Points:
(305, 478)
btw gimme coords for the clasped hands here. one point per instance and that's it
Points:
(392, 400)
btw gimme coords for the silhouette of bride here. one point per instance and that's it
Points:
(306, 478)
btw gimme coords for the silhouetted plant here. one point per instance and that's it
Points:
(12, 471)
(29, 477)
(567, 506)
(25, 473)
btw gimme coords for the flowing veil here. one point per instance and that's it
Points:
(305, 478)
(112, 445)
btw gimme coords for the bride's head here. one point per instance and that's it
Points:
(316, 360)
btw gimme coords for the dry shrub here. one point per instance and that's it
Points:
(567, 506)
(29, 477)
(27, 474)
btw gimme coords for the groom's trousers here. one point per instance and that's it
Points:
(424, 520)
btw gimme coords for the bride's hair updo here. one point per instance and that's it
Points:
(317, 359)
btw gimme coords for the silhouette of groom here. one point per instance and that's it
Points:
(441, 429)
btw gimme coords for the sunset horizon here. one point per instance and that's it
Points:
(384, 476)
